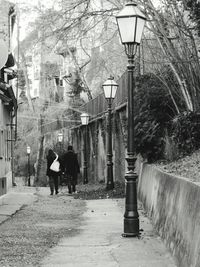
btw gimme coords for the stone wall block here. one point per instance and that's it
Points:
(173, 204)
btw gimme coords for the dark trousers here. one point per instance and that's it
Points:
(71, 188)
(53, 184)
(71, 184)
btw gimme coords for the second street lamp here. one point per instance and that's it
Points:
(85, 121)
(110, 88)
(131, 23)
(28, 151)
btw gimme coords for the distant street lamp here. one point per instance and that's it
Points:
(60, 140)
(110, 88)
(60, 137)
(28, 151)
(131, 23)
(85, 121)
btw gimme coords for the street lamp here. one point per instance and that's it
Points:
(60, 139)
(110, 88)
(131, 23)
(28, 151)
(84, 121)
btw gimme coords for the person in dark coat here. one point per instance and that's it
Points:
(53, 176)
(71, 168)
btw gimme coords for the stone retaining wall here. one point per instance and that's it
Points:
(173, 203)
(96, 146)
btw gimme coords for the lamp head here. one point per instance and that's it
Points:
(110, 88)
(28, 150)
(60, 137)
(131, 21)
(85, 118)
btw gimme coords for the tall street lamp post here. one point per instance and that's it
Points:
(60, 141)
(110, 88)
(131, 23)
(28, 151)
(85, 121)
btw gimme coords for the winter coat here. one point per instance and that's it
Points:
(50, 159)
(70, 164)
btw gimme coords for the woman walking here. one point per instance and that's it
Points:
(71, 169)
(53, 175)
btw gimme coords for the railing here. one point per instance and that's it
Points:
(98, 105)
(94, 107)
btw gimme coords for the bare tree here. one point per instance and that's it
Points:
(173, 30)
(24, 68)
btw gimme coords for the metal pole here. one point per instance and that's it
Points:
(110, 183)
(29, 180)
(12, 152)
(85, 175)
(131, 216)
(60, 148)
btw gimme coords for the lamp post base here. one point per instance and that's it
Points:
(85, 177)
(110, 186)
(110, 182)
(129, 235)
(131, 227)
(131, 216)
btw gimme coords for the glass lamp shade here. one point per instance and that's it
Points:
(60, 137)
(28, 150)
(110, 88)
(131, 23)
(85, 118)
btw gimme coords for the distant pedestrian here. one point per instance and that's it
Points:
(71, 169)
(53, 175)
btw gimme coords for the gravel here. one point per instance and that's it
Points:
(98, 191)
(26, 238)
(29, 234)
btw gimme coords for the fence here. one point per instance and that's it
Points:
(94, 107)
(98, 105)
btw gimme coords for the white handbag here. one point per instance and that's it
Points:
(55, 166)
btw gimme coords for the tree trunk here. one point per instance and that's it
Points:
(24, 66)
(40, 154)
(86, 88)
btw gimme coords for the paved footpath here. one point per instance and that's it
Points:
(13, 201)
(100, 243)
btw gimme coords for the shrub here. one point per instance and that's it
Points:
(185, 131)
(171, 148)
(153, 109)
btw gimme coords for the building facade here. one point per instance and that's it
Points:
(8, 103)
